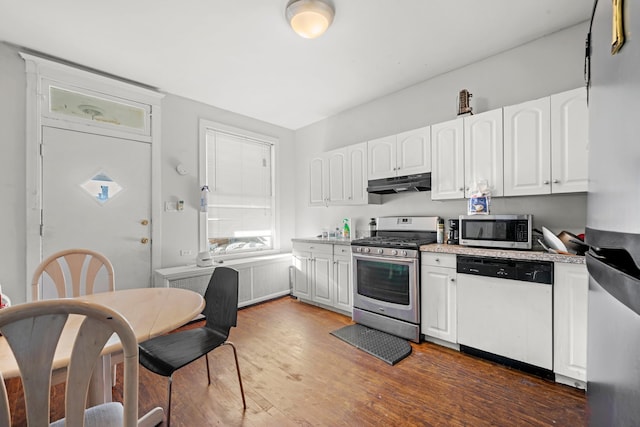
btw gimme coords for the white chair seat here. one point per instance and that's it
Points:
(105, 415)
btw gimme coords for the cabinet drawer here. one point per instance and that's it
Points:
(324, 248)
(438, 259)
(342, 250)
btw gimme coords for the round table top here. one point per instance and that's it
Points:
(150, 311)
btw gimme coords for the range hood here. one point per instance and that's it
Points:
(419, 182)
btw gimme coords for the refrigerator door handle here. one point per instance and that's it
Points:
(618, 284)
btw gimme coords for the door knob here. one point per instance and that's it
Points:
(144, 222)
(144, 240)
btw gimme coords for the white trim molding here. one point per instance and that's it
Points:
(40, 73)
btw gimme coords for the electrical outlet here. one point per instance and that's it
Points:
(185, 252)
(170, 207)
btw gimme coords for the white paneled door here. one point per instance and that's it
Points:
(96, 194)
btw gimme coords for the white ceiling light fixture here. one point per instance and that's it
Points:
(310, 18)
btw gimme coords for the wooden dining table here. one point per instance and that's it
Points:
(150, 311)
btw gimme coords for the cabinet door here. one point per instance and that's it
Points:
(322, 278)
(413, 151)
(570, 290)
(357, 165)
(447, 175)
(382, 157)
(438, 303)
(342, 279)
(316, 182)
(337, 177)
(569, 141)
(527, 148)
(302, 277)
(483, 152)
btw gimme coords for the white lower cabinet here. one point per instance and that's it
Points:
(322, 274)
(570, 289)
(438, 297)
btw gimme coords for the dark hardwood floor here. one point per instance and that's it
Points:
(296, 373)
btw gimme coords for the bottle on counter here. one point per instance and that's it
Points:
(440, 233)
(346, 229)
(204, 199)
(372, 227)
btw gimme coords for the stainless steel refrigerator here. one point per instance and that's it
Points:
(613, 215)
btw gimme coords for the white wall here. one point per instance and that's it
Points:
(548, 65)
(180, 121)
(180, 118)
(13, 84)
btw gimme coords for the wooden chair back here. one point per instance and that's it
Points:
(73, 272)
(33, 330)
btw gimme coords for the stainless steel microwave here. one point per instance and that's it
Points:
(496, 231)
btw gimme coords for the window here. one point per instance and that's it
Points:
(238, 168)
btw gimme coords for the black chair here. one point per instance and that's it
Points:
(167, 353)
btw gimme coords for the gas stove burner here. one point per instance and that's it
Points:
(393, 242)
(401, 233)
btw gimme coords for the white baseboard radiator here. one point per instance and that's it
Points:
(261, 278)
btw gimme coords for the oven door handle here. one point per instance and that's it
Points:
(384, 259)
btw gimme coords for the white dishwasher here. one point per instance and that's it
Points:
(505, 311)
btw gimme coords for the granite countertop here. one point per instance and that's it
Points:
(503, 253)
(334, 241)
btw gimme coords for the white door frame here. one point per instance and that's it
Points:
(39, 69)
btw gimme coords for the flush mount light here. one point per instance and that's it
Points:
(309, 18)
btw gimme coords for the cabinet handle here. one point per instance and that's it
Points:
(556, 181)
(452, 279)
(545, 182)
(437, 259)
(461, 189)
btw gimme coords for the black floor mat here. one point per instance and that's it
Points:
(386, 347)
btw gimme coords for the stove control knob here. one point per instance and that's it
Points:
(357, 249)
(367, 250)
(380, 251)
(404, 253)
(394, 252)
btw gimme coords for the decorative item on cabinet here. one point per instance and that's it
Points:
(464, 103)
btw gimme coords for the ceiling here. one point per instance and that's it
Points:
(242, 56)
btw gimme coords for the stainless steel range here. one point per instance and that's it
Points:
(386, 275)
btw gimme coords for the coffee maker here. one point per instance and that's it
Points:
(452, 237)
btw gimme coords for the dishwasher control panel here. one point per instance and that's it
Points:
(503, 268)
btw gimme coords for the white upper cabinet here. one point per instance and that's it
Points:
(546, 145)
(527, 148)
(357, 182)
(382, 157)
(569, 141)
(483, 155)
(413, 151)
(447, 149)
(339, 177)
(316, 181)
(407, 153)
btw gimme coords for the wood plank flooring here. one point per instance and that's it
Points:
(296, 374)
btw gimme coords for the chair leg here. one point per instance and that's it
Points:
(169, 403)
(114, 378)
(206, 357)
(235, 356)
